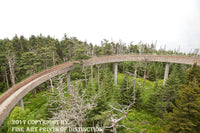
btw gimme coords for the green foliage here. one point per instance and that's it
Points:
(37, 106)
(185, 117)
(163, 97)
(106, 90)
(80, 52)
(151, 74)
(186, 113)
(35, 109)
(29, 62)
(193, 74)
(39, 52)
(150, 98)
(134, 49)
(107, 47)
(137, 122)
(126, 92)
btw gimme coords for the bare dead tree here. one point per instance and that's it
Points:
(134, 84)
(72, 109)
(10, 55)
(51, 85)
(112, 45)
(57, 104)
(85, 74)
(140, 47)
(92, 51)
(53, 57)
(80, 106)
(114, 119)
(196, 52)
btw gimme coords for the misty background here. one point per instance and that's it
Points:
(171, 23)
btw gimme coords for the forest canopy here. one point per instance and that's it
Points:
(139, 102)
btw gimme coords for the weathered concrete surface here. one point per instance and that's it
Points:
(7, 104)
(21, 104)
(10, 98)
(166, 73)
(149, 58)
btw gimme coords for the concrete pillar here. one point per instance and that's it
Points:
(166, 73)
(115, 72)
(68, 80)
(21, 104)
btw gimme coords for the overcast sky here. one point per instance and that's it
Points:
(170, 22)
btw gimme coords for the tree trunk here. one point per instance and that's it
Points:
(11, 67)
(11, 62)
(54, 58)
(114, 129)
(6, 77)
(134, 83)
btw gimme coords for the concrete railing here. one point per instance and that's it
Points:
(10, 98)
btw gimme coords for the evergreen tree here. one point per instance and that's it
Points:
(186, 113)
(29, 62)
(164, 97)
(134, 49)
(9, 52)
(68, 45)
(24, 44)
(98, 50)
(126, 92)
(185, 117)
(193, 73)
(107, 47)
(152, 75)
(80, 52)
(151, 104)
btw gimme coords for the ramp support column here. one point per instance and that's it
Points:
(166, 73)
(68, 81)
(21, 104)
(115, 72)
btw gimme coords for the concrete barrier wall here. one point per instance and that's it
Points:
(13, 95)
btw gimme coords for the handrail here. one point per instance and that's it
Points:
(13, 95)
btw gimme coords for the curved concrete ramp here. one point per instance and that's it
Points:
(11, 97)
